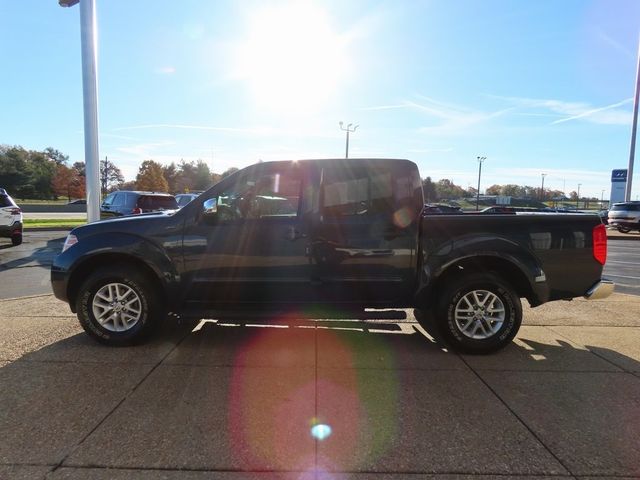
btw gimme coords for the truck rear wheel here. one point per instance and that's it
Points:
(478, 313)
(117, 306)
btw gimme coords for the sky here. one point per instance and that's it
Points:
(536, 87)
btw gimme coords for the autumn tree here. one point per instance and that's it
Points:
(68, 183)
(150, 177)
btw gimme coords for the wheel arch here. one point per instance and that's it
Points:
(506, 269)
(84, 269)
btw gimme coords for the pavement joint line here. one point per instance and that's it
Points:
(124, 398)
(348, 472)
(592, 352)
(524, 424)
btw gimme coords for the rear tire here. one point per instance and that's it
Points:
(118, 306)
(624, 229)
(16, 239)
(478, 313)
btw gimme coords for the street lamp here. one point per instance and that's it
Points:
(480, 160)
(578, 197)
(88, 39)
(349, 130)
(542, 188)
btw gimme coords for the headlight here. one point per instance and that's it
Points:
(69, 242)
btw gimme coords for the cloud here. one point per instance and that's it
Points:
(452, 119)
(166, 70)
(568, 111)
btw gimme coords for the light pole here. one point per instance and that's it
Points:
(349, 130)
(480, 160)
(634, 127)
(542, 188)
(88, 39)
(578, 197)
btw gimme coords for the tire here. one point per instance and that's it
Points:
(16, 240)
(478, 313)
(624, 229)
(104, 294)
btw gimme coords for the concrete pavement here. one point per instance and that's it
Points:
(240, 399)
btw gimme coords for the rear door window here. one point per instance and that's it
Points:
(151, 202)
(5, 201)
(356, 191)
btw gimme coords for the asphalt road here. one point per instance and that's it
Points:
(24, 270)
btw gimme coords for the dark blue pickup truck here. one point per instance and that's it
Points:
(336, 233)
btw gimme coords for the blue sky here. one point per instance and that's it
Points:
(535, 86)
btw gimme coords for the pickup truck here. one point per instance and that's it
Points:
(327, 234)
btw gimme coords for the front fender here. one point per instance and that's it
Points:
(112, 247)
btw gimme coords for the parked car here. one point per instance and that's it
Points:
(80, 201)
(10, 218)
(625, 216)
(122, 202)
(330, 233)
(441, 208)
(184, 198)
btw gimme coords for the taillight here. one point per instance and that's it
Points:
(600, 243)
(69, 242)
(136, 211)
(15, 211)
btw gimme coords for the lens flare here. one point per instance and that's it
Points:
(321, 431)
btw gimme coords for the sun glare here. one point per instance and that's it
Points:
(291, 58)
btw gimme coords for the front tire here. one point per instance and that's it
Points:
(624, 229)
(478, 313)
(117, 306)
(16, 239)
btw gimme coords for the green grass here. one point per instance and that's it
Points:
(29, 201)
(53, 222)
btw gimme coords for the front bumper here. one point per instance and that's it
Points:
(600, 290)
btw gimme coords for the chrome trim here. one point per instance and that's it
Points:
(600, 290)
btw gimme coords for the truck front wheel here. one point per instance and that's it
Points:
(478, 313)
(117, 306)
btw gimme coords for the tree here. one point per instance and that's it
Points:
(170, 173)
(429, 189)
(446, 189)
(14, 176)
(228, 172)
(111, 177)
(202, 179)
(67, 182)
(493, 190)
(150, 177)
(56, 156)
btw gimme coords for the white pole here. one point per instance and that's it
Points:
(634, 126)
(89, 35)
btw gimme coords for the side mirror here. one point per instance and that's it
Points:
(210, 208)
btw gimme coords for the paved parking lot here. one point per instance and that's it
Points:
(328, 399)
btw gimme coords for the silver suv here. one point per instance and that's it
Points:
(625, 216)
(10, 218)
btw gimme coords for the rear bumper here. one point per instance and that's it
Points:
(11, 230)
(601, 289)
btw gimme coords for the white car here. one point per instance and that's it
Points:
(625, 216)
(10, 218)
